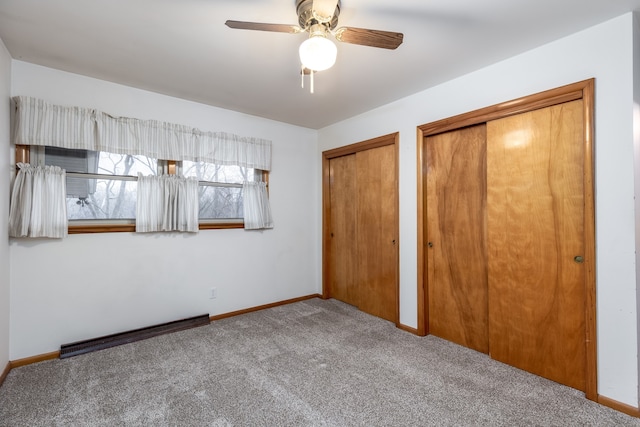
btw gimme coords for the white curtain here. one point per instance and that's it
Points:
(167, 203)
(38, 202)
(40, 123)
(257, 211)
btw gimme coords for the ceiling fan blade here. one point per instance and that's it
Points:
(323, 10)
(373, 38)
(277, 28)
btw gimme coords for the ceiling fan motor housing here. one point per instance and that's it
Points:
(306, 17)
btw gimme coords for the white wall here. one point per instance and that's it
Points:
(603, 52)
(5, 177)
(90, 285)
(636, 145)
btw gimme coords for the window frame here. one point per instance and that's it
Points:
(23, 155)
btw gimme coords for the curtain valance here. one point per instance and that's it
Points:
(40, 123)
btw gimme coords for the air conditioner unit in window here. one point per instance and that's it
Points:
(83, 161)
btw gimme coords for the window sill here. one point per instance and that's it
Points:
(130, 228)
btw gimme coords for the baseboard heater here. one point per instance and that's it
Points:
(94, 344)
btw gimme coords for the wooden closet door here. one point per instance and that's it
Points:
(377, 228)
(344, 250)
(456, 253)
(535, 208)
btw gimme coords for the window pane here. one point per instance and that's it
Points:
(217, 173)
(110, 199)
(220, 202)
(101, 162)
(125, 164)
(89, 198)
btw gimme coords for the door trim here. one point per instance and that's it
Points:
(390, 139)
(581, 90)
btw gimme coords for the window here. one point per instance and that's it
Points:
(104, 188)
(101, 187)
(220, 192)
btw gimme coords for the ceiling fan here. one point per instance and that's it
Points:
(320, 18)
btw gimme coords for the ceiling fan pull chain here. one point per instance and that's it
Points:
(302, 76)
(311, 74)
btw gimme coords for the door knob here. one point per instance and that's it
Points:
(578, 259)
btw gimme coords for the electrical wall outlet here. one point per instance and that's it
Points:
(213, 293)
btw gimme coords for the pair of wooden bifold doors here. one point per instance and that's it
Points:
(504, 233)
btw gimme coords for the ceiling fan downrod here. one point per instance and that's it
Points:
(304, 70)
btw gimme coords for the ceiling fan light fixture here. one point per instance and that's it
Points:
(318, 53)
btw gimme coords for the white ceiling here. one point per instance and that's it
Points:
(182, 47)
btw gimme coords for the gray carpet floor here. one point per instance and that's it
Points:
(312, 363)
